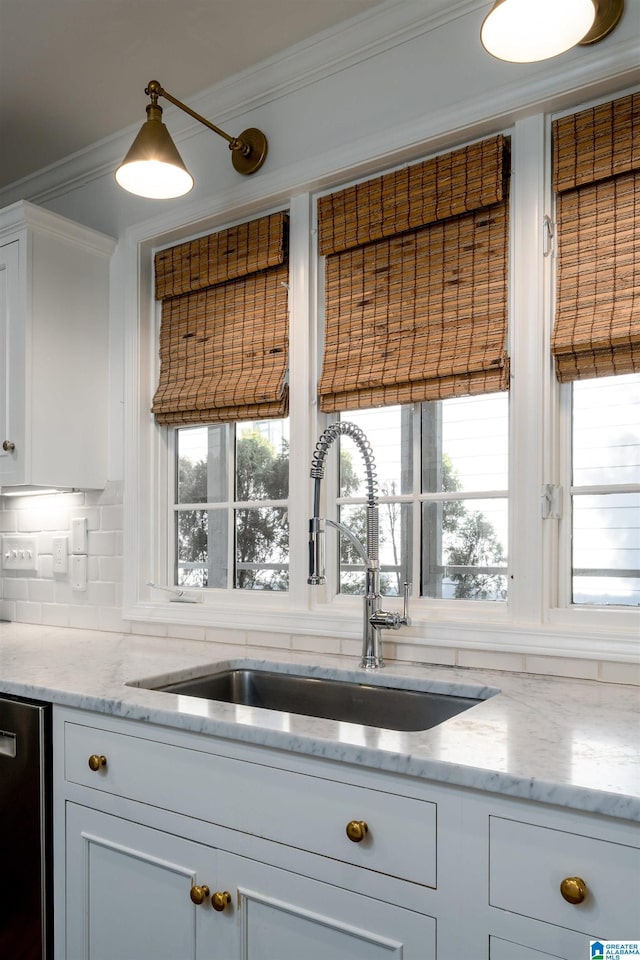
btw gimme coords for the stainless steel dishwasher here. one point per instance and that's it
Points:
(25, 830)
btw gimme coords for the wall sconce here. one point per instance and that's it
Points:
(523, 31)
(154, 168)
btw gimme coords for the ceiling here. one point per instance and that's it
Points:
(74, 71)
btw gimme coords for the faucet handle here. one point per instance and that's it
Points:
(407, 589)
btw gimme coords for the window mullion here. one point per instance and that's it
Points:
(230, 436)
(530, 378)
(301, 406)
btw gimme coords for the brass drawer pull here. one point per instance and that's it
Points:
(199, 894)
(573, 889)
(97, 761)
(357, 830)
(220, 900)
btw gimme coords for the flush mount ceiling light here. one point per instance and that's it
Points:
(154, 168)
(523, 31)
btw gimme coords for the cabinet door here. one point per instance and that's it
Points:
(128, 891)
(12, 411)
(276, 914)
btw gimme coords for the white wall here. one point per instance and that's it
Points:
(407, 80)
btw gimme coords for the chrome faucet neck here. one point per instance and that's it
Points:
(374, 618)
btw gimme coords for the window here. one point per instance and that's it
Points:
(231, 509)
(460, 475)
(443, 500)
(605, 491)
(596, 342)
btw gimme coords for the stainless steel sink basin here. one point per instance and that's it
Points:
(373, 705)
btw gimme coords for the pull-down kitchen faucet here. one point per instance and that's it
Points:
(375, 618)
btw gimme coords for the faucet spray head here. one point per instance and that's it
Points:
(316, 552)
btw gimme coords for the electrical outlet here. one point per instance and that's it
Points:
(60, 554)
(19, 553)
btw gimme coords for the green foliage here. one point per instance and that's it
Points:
(262, 533)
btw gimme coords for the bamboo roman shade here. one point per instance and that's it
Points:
(416, 281)
(225, 327)
(596, 171)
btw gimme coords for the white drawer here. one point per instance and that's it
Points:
(528, 863)
(302, 811)
(506, 950)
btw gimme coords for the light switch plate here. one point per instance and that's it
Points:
(78, 573)
(79, 535)
(19, 553)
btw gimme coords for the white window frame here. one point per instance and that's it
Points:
(531, 621)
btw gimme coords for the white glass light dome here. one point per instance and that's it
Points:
(524, 31)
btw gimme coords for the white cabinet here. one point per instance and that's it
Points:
(507, 950)
(128, 890)
(153, 820)
(129, 896)
(165, 810)
(54, 339)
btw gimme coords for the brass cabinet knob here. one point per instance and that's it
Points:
(96, 761)
(573, 889)
(220, 900)
(199, 894)
(357, 830)
(8, 446)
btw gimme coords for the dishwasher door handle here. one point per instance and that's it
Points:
(7, 743)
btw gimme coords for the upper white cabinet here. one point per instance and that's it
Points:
(54, 338)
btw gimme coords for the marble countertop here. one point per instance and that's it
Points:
(573, 743)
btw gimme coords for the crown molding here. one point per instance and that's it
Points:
(322, 55)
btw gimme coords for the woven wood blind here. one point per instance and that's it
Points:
(596, 156)
(225, 326)
(416, 282)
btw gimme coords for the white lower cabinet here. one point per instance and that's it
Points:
(507, 950)
(128, 897)
(146, 818)
(127, 890)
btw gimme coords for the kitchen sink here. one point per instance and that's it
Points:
(374, 705)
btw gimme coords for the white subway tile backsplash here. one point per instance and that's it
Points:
(111, 517)
(110, 619)
(40, 590)
(102, 593)
(185, 632)
(620, 672)
(225, 635)
(8, 521)
(55, 615)
(490, 660)
(103, 543)
(15, 589)
(28, 612)
(563, 667)
(109, 568)
(315, 644)
(85, 617)
(45, 566)
(90, 514)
